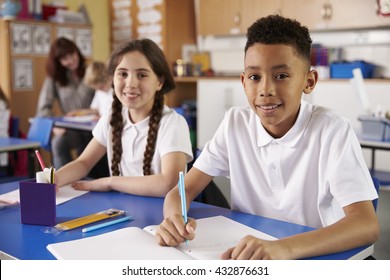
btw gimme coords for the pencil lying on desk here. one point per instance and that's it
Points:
(102, 225)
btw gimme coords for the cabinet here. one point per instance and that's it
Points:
(333, 14)
(227, 17)
(24, 46)
(170, 23)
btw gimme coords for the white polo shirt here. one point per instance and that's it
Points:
(173, 136)
(102, 101)
(305, 177)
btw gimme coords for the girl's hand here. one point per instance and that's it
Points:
(172, 231)
(95, 185)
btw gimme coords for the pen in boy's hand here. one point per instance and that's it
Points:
(182, 193)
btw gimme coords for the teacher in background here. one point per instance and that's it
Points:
(64, 83)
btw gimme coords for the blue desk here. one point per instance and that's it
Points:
(10, 144)
(28, 242)
(77, 125)
(384, 177)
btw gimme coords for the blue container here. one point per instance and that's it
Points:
(343, 70)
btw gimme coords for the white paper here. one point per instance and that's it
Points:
(129, 243)
(215, 235)
(212, 237)
(80, 119)
(64, 194)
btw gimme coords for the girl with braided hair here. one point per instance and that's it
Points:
(147, 143)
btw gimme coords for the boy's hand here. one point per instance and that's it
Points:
(172, 231)
(252, 248)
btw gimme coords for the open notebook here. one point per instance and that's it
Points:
(214, 235)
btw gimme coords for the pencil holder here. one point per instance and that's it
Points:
(37, 203)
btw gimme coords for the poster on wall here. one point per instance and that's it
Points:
(22, 74)
(41, 38)
(84, 41)
(20, 38)
(65, 32)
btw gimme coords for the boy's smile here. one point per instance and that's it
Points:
(274, 79)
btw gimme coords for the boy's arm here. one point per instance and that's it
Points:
(172, 230)
(358, 228)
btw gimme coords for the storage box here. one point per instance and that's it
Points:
(343, 70)
(37, 203)
(377, 129)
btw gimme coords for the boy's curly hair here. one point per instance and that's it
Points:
(275, 29)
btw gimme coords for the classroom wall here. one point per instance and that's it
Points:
(98, 11)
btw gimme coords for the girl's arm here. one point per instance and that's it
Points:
(80, 167)
(152, 185)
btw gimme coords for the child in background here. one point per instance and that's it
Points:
(146, 142)
(96, 77)
(286, 159)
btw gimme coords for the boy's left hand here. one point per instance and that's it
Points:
(252, 248)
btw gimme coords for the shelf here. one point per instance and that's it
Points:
(194, 79)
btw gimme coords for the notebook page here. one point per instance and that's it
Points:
(129, 243)
(214, 235)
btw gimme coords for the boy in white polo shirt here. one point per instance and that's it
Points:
(286, 159)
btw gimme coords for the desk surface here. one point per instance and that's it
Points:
(374, 144)
(77, 125)
(29, 241)
(8, 144)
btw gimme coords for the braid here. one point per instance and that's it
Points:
(154, 122)
(117, 126)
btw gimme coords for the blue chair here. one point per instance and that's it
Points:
(40, 130)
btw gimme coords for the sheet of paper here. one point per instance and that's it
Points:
(81, 119)
(64, 194)
(214, 235)
(129, 243)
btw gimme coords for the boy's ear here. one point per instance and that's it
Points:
(242, 77)
(312, 78)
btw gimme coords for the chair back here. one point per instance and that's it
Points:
(40, 130)
(377, 185)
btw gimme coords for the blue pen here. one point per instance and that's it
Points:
(182, 193)
(102, 225)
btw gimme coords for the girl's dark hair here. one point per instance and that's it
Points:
(160, 67)
(275, 29)
(4, 98)
(60, 48)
